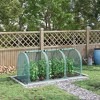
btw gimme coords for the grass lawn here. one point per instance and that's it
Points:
(93, 83)
(10, 90)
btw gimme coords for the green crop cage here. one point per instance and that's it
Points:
(57, 63)
(73, 61)
(32, 66)
(41, 65)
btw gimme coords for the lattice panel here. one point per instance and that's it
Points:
(64, 38)
(94, 37)
(80, 37)
(19, 40)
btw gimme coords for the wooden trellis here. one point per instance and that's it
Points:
(20, 39)
(64, 38)
(11, 43)
(94, 37)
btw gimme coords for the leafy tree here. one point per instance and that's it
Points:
(87, 12)
(9, 13)
(49, 14)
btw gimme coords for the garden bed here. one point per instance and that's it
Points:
(51, 81)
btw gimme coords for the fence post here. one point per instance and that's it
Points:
(87, 40)
(41, 38)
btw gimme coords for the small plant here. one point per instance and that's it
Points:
(70, 66)
(42, 69)
(56, 67)
(37, 70)
(33, 71)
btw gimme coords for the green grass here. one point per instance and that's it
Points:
(10, 90)
(93, 83)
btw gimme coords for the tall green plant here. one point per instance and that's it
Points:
(42, 69)
(33, 71)
(56, 67)
(70, 63)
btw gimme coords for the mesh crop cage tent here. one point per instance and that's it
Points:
(32, 66)
(73, 61)
(57, 64)
(38, 65)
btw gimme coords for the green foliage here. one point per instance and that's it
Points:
(87, 13)
(42, 69)
(61, 14)
(38, 69)
(70, 66)
(33, 71)
(49, 14)
(56, 67)
(9, 13)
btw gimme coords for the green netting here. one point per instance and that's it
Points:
(73, 61)
(33, 64)
(23, 65)
(56, 63)
(40, 65)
